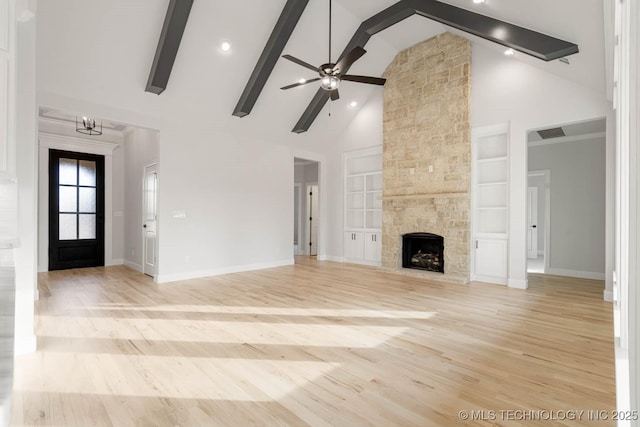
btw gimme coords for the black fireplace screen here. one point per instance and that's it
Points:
(423, 251)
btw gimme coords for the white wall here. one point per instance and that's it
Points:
(577, 246)
(26, 157)
(141, 149)
(238, 202)
(506, 90)
(538, 182)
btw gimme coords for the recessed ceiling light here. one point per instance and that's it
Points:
(302, 81)
(225, 46)
(353, 104)
(509, 52)
(478, 1)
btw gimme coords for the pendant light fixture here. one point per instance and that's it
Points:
(88, 126)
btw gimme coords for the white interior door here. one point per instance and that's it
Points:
(150, 219)
(313, 221)
(532, 222)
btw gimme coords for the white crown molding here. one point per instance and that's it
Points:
(586, 137)
(72, 143)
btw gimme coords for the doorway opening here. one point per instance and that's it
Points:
(566, 200)
(306, 207)
(538, 220)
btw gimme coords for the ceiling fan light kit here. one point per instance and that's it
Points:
(330, 83)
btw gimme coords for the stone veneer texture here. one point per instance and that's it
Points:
(426, 123)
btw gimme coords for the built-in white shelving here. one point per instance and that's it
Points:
(363, 205)
(490, 201)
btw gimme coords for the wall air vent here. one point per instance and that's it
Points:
(551, 133)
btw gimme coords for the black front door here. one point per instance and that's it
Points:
(76, 210)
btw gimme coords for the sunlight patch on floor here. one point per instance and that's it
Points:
(168, 377)
(285, 311)
(206, 331)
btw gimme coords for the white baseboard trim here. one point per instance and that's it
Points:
(5, 410)
(362, 262)
(333, 258)
(133, 265)
(492, 280)
(116, 261)
(165, 278)
(608, 296)
(518, 283)
(36, 295)
(25, 345)
(575, 273)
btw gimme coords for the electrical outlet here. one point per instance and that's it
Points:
(430, 168)
(179, 214)
(412, 171)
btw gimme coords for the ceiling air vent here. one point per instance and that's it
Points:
(551, 133)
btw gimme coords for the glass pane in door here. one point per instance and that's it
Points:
(68, 227)
(87, 226)
(87, 173)
(87, 200)
(68, 199)
(150, 189)
(68, 172)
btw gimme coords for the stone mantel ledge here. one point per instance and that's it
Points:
(459, 194)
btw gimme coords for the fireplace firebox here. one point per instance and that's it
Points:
(423, 251)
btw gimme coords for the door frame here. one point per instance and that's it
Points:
(298, 189)
(307, 228)
(49, 141)
(531, 190)
(144, 242)
(546, 173)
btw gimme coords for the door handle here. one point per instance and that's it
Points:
(144, 226)
(534, 226)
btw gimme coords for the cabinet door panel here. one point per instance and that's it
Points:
(353, 245)
(491, 258)
(372, 247)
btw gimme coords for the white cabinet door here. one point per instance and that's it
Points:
(353, 245)
(491, 260)
(372, 247)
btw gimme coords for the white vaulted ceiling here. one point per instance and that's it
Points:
(103, 49)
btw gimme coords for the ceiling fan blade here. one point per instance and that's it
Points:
(335, 95)
(300, 84)
(343, 65)
(364, 79)
(300, 62)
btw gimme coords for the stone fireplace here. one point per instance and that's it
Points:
(427, 154)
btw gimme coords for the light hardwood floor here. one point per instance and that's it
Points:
(317, 343)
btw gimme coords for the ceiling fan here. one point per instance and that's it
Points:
(332, 73)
